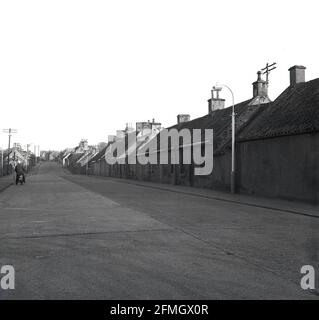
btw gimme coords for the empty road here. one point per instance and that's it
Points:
(77, 237)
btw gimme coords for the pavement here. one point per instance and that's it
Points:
(5, 182)
(294, 207)
(82, 237)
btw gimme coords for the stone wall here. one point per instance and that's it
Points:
(284, 167)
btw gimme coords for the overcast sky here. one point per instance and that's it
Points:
(82, 69)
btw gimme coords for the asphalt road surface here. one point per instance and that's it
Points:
(77, 237)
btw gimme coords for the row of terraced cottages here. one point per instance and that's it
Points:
(277, 145)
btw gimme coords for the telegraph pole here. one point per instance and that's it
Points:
(267, 69)
(27, 160)
(1, 162)
(35, 154)
(10, 132)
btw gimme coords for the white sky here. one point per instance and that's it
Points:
(82, 69)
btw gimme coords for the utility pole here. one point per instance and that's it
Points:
(27, 162)
(267, 69)
(1, 162)
(10, 132)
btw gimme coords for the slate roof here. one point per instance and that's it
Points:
(75, 157)
(220, 122)
(295, 111)
(100, 154)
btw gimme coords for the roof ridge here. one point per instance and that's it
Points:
(294, 111)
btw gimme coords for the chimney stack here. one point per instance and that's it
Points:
(297, 74)
(128, 128)
(147, 127)
(260, 87)
(111, 138)
(215, 103)
(120, 134)
(260, 91)
(183, 118)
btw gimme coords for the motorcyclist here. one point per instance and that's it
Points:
(19, 169)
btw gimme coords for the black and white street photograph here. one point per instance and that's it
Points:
(158, 156)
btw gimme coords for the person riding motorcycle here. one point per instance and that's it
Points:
(19, 169)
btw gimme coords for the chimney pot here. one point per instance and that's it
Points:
(297, 74)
